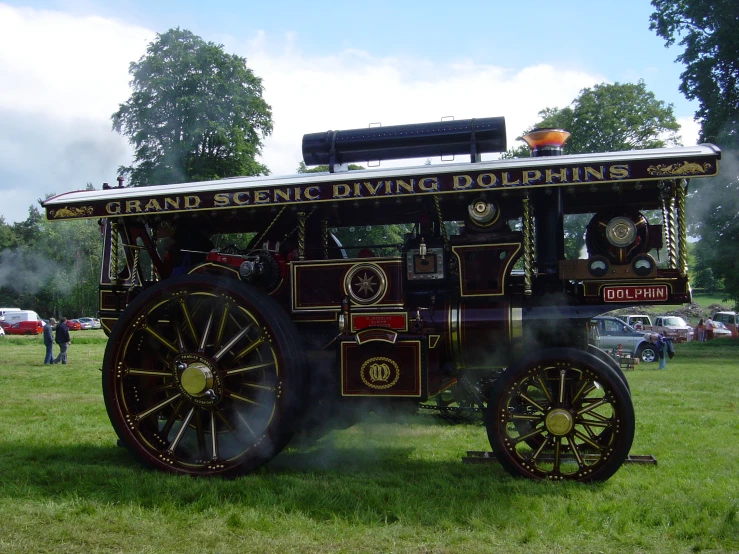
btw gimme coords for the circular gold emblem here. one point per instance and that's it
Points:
(365, 283)
(379, 373)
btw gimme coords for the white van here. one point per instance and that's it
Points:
(4, 310)
(21, 315)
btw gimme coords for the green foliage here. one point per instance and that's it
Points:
(709, 32)
(606, 118)
(302, 168)
(196, 113)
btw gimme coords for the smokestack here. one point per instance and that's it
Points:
(549, 208)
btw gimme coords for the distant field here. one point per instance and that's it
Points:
(395, 487)
(707, 299)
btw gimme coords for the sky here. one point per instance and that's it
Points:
(324, 65)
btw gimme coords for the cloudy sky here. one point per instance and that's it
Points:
(325, 64)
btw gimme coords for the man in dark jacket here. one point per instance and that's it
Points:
(62, 339)
(49, 341)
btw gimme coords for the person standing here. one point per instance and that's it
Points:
(63, 340)
(661, 351)
(700, 331)
(709, 329)
(49, 341)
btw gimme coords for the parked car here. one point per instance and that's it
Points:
(25, 328)
(640, 322)
(74, 325)
(608, 332)
(729, 319)
(85, 322)
(721, 331)
(673, 327)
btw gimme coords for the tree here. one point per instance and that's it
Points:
(196, 113)
(607, 118)
(707, 30)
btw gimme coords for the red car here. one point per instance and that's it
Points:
(73, 325)
(25, 328)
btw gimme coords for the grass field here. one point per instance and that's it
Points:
(378, 487)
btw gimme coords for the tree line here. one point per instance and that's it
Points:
(198, 113)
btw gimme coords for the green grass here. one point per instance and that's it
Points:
(377, 487)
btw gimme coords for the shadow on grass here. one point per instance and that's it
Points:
(326, 482)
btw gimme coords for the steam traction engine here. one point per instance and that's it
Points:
(245, 310)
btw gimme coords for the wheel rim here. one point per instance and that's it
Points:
(560, 420)
(648, 355)
(196, 382)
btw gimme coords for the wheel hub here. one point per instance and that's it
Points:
(559, 422)
(196, 379)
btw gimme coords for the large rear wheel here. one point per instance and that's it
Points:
(562, 414)
(202, 376)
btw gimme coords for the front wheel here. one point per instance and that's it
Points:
(561, 414)
(202, 376)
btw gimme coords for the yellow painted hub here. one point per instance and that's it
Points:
(559, 422)
(196, 379)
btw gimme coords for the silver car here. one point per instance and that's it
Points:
(608, 333)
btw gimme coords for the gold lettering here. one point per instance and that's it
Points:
(576, 175)
(342, 191)
(133, 206)
(113, 207)
(357, 189)
(550, 175)
(530, 175)
(220, 199)
(192, 201)
(618, 171)
(429, 184)
(507, 181)
(591, 171)
(311, 193)
(152, 205)
(372, 188)
(486, 180)
(297, 194)
(237, 198)
(261, 197)
(388, 187)
(284, 194)
(173, 202)
(462, 182)
(409, 187)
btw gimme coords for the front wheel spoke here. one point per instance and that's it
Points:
(585, 389)
(536, 418)
(590, 408)
(562, 373)
(230, 344)
(221, 326)
(180, 338)
(171, 419)
(229, 394)
(530, 401)
(541, 448)
(206, 332)
(557, 459)
(166, 343)
(137, 371)
(244, 369)
(575, 451)
(213, 436)
(591, 423)
(181, 431)
(168, 401)
(250, 348)
(534, 433)
(544, 388)
(585, 439)
(188, 319)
